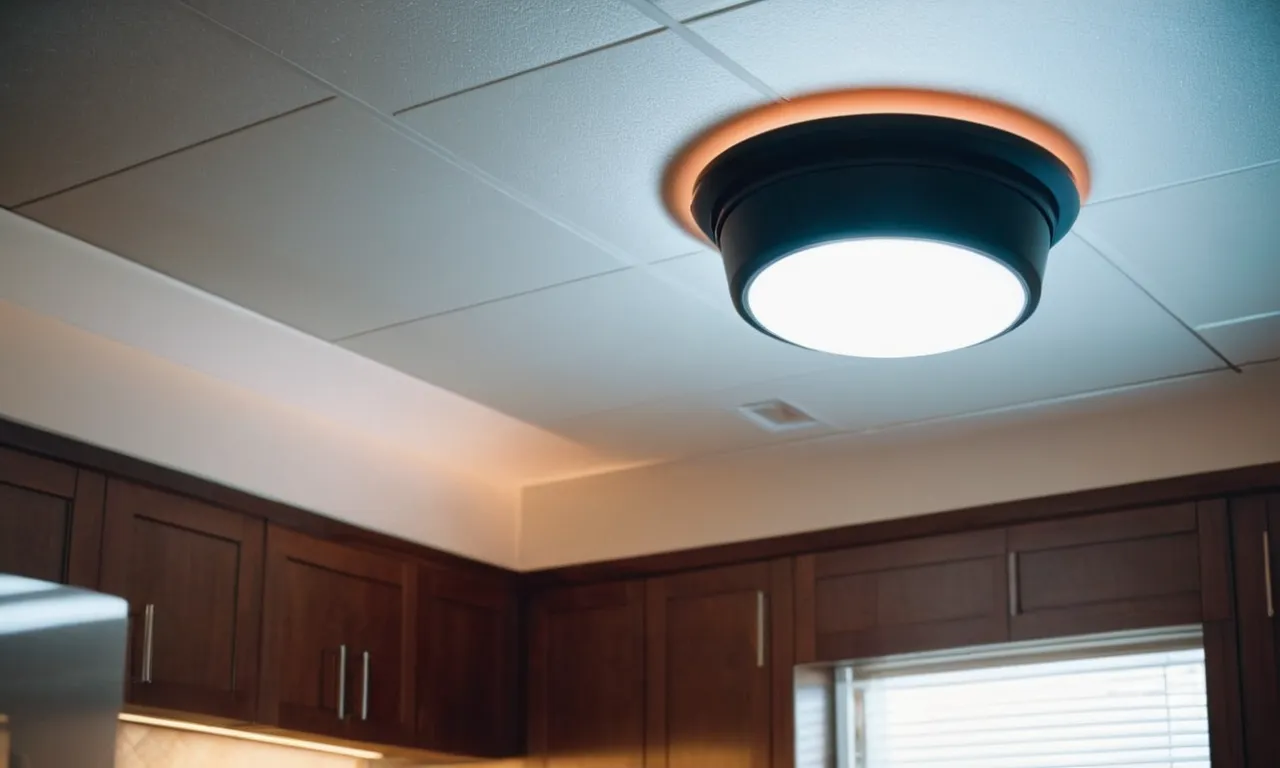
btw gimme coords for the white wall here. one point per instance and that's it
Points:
(1206, 423)
(76, 383)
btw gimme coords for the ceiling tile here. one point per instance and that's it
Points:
(589, 138)
(398, 53)
(1248, 341)
(88, 88)
(1093, 330)
(1209, 250)
(1157, 91)
(592, 345)
(327, 220)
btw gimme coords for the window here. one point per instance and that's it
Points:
(1104, 702)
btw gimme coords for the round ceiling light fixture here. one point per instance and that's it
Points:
(875, 233)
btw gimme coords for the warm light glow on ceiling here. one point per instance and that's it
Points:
(265, 738)
(883, 297)
(682, 174)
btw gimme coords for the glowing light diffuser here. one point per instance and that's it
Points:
(882, 297)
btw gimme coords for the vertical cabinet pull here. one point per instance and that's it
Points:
(364, 687)
(1266, 572)
(148, 638)
(342, 682)
(1013, 584)
(759, 628)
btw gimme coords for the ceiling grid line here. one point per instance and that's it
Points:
(173, 152)
(719, 57)
(1110, 259)
(530, 70)
(1186, 182)
(462, 164)
(495, 300)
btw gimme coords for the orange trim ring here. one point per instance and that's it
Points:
(682, 174)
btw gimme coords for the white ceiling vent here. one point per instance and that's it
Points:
(776, 416)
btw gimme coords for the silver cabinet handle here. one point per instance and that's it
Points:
(1266, 572)
(364, 688)
(148, 638)
(342, 682)
(759, 628)
(1013, 584)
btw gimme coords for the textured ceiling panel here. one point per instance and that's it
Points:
(1210, 250)
(1157, 91)
(586, 346)
(1094, 330)
(88, 88)
(326, 220)
(589, 138)
(398, 53)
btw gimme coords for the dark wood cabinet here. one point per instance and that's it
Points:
(717, 642)
(916, 595)
(468, 656)
(1255, 523)
(192, 574)
(338, 651)
(1072, 576)
(1099, 573)
(50, 520)
(586, 677)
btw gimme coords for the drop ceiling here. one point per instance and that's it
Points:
(467, 190)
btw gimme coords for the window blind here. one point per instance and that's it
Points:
(1101, 707)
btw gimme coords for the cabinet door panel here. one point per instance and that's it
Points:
(587, 677)
(34, 528)
(937, 592)
(327, 606)
(467, 686)
(381, 679)
(710, 668)
(50, 520)
(1100, 573)
(192, 574)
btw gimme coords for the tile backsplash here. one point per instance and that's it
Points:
(144, 746)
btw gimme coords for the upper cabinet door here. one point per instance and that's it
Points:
(338, 648)
(1099, 573)
(923, 594)
(192, 574)
(719, 660)
(587, 677)
(1255, 523)
(467, 663)
(50, 520)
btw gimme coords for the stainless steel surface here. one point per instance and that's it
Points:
(847, 747)
(148, 636)
(1266, 572)
(62, 671)
(759, 628)
(364, 687)
(342, 682)
(1013, 584)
